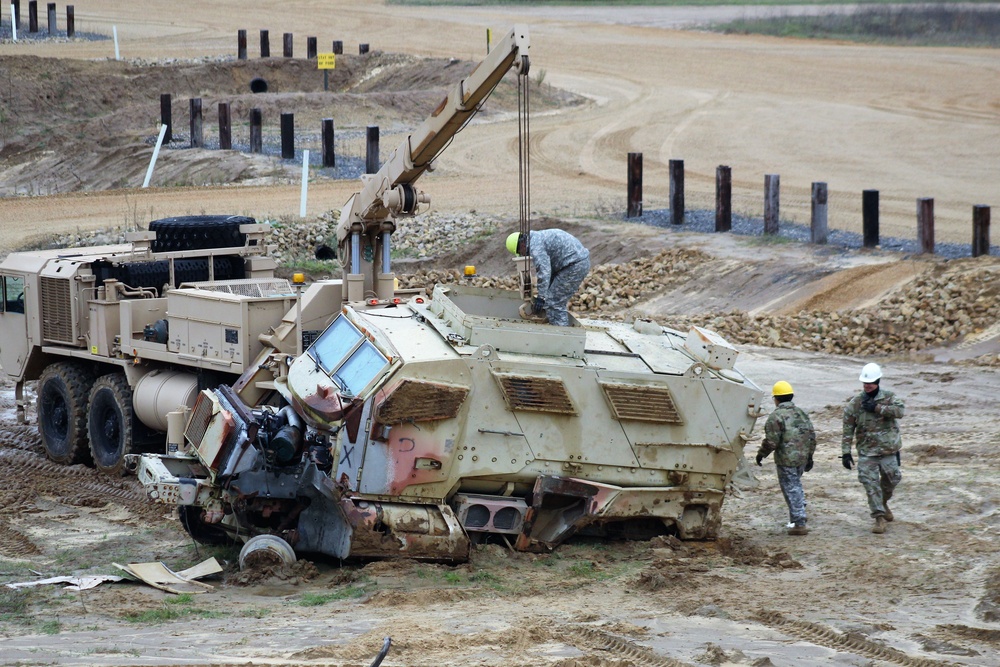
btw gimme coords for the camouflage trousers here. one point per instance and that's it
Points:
(879, 475)
(790, 480)
(562, 288)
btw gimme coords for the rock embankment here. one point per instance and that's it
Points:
(950, 302)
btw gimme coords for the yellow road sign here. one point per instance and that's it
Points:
(326, 60)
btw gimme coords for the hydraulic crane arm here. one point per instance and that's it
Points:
(368, 218)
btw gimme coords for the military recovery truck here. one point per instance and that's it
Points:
(115, 347)
(372, 422)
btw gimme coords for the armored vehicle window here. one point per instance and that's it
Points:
(361, 367)
(13, 291)
(335, 343)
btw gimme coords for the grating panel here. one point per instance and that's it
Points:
(201, 415)
(251, 287)
(535, 393)
(641, 403)
(57, 311)
(416, 400)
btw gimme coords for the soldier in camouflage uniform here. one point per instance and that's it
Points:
(789, 433)
(561, 263)
(871, 418)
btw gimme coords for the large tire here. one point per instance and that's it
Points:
(198, 232)
(63, 395)
(201, 532)
(111, 423)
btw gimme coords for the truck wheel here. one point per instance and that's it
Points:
(62, 412)
(201, 532)
(110, 423)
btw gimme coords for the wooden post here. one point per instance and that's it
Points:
(869, 217)
(818, 224)
(980, 230)
(676, 168)
(362, 49)
(772, 188)
(723, 198)
(337, 46)
(329, 158)
(311, 48)
(241, 44)
(51, 12)
(197, 136)
(165, 117)
(70, 21)
(925, 224)
(287, 44)
(225, 127)
(33, 16)
(256, 131)
(288, 136)
(371, 153)
(265, 44)
(634, 206)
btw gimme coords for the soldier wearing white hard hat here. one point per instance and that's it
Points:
(871, 419)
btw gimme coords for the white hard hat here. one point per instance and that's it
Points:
(870, 373)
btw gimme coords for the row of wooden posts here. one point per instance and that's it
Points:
(818, 221)
(33, 17)
(256, 132)
(288, 38)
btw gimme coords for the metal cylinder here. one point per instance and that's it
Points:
(176, 421)
(161, 392)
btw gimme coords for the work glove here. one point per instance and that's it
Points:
(538, 307)
(760, 457)
(868, 404)
(809, 464)
(847, 460)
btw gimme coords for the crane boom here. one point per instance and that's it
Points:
(369, 216)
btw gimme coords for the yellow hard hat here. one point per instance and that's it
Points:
(512, 242)
(782, 388)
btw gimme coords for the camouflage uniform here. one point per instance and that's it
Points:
(561, 263)
(877, 435)
(789, 433)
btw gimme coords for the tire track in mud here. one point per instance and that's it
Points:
(585, 638)
(25, 475)
(847, 642)
(15, 545)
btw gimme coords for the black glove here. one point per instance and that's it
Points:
(868, 404)
(538, 307)
(760, 457)
(847, 460)
(809, 464)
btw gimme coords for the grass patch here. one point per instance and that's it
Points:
(929, 25)
(50, 628)
(319, 599)
(173, 608)
(13, 604)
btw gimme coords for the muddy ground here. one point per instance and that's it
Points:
(926, 593)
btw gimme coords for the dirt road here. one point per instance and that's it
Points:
(909, 122)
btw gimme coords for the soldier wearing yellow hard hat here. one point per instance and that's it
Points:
(789, 433)
(561, 263)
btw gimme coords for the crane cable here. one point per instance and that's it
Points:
(524, 163)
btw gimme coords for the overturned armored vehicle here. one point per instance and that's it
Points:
(377, 423)
(407, 429)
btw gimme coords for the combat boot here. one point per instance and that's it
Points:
(888, 513)
(798, 530)
(879, 526)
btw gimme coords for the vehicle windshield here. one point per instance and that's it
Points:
(349, 358)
